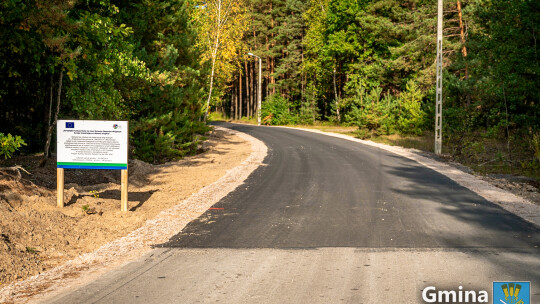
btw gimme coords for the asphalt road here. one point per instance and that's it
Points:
(328, 220)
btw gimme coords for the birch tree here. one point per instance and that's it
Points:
(221, 25)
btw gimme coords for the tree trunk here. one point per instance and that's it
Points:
(232, 103)
(253, 90)
(267, 76)
(51, 95)
(272, 61)
(210, 90)
(313, 105)
(252, 66)
(272, 70)
(214, 56)
(236, 102)
(248, 109)
(303, 78)
(464, 48)
(461, 29)
(254, 85)
(51, 126)
(240, 92)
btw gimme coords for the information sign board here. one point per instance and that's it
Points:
(92, 144)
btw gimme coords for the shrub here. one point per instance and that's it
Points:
(275, 111)
(9, 144)
(369, 111)
(166, 138)
(411, 116)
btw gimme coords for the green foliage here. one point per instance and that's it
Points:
(387, 114)
(411, 116)
(165, 125)
(367, 110)
(104, 81)
(9, 144)
(275, 111)
(216, 116)
(504, 63)
(167, 137)
(131, 60)
(473, 150)
(363, 134)
(535, 145)
(34, 46)
(94, 193)
(87, 210)
(149, 62)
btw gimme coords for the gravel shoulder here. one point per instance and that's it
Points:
(44, 250)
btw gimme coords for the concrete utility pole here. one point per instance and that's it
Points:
(337, 99)
(438, 104)
(259, 94)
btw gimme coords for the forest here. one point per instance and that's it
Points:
(171, 66)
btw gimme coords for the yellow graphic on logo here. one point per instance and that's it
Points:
(511, 293)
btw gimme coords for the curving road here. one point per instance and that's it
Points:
(328, 220)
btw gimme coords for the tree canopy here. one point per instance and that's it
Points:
(164, 64)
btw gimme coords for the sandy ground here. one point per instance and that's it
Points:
(37, 239)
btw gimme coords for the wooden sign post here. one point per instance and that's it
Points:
(60, 187)
(92, 144)
(124, 190)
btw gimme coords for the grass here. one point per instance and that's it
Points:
(329, 127)
(217, 116)
(424, 143)
(483, 155)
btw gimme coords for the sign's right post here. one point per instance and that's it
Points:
(124, 189)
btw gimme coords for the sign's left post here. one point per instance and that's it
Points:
(60, 187)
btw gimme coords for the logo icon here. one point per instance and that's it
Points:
(511, 292)
(116, 126)
(70, 125)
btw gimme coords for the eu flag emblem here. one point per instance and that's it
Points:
(70, 125)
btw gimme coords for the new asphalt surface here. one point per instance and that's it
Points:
(329, 220)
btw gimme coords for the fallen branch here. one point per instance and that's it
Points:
(14, 170)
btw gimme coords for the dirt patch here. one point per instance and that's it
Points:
(36, 236)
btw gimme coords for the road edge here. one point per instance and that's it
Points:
(117, 253)
(506, 200)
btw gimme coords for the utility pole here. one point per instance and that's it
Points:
(337, 99)
(259, 95)
(438, 103)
